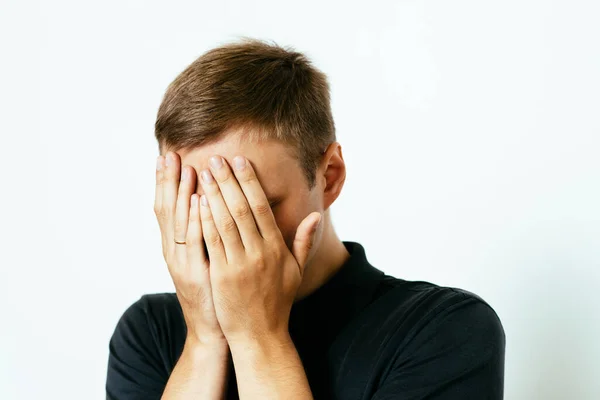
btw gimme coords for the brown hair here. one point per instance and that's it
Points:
(267, 91)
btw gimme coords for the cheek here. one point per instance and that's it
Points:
(289, 215)
(288, 230)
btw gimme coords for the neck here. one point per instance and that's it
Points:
(329, 256)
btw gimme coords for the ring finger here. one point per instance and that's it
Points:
(182, 210)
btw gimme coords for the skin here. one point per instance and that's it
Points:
(262, 241)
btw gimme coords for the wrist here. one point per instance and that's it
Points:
(268, 355)
(263, 343)
(194, 343)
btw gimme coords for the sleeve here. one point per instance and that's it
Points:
(134, 366)
(459, 354)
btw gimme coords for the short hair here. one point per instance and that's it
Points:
(267, 91)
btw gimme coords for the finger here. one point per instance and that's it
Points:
(195, 252)
(236, 202)
(256, 197)
(214, 244)
(187, 185)
(222, 219)
(160, 166)
(169, 195)
(305, 239)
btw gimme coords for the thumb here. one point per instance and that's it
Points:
(305, 237)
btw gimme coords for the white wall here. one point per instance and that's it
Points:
(470, 129)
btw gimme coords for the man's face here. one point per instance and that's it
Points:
(279, 174)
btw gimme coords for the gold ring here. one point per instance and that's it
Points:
(179, 242)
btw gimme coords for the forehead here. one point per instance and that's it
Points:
(272, 161)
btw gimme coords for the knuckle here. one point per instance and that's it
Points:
(168, 208)
(241, 210)
(180, 226)
(193, 240)
(256, 255)
(247, 176)
(160, 212)
(192, 237)
(228, 224)
(223, 279)
(214, 240)
(262, 209)
(225, 178)
(261, 267)
(258, 261)
(206, 216)
(160, 178)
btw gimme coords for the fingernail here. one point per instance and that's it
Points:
(216, 162)
(184, 174)
(239, 162)
(169, 159)
(203, 200)
(206, 176)
(158, 163)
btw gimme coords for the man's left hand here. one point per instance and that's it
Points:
(254, 276)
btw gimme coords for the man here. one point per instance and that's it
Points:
(269, 302)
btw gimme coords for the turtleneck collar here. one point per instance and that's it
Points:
(335, 302)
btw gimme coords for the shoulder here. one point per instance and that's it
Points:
(154, 321)
(424, 310)
(158, 314)
(156, 301)
(150, 314)
(154, 304)
(143, 347)
(419, 306)
(448, 337)
(150, 309)
(437, 299)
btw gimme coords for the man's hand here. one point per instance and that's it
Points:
(254, 276)
(177, 210)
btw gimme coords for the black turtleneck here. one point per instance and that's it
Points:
(361, 335)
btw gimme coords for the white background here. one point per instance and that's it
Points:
(470, 129)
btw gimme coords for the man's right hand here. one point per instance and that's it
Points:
(176, 206)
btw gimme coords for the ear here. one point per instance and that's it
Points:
(333, 171)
